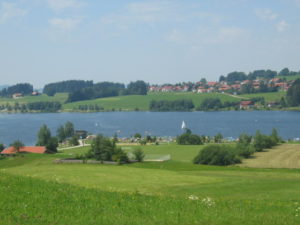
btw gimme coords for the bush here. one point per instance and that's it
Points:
(138, 154)
(220, 155)
(244, 150)
(189, 139)
(104, 149)
(74, 141)
(262, 142)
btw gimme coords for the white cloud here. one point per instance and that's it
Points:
(281, 26)
(58, 5)
(266, 14)
(177, 36)
(10, 11)
(66, 24)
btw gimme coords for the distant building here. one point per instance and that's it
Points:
(34, 149)
(35, 93)
(246, 104)
(17, 95)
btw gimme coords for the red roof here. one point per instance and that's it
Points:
(246, 103)
(34, 149)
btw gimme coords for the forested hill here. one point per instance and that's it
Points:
(66, 86)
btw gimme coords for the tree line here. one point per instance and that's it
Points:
(23, 88)
(265, 74)
(42, 106)
(80, 90)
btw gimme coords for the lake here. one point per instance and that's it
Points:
(230, 123)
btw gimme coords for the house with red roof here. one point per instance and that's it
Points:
(246, 104)
(31, 149)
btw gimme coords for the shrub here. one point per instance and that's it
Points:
(244, 150)
(189, 139)
(220, 155)
(138, 154)
(262, 142)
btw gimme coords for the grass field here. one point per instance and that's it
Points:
(288, 78)
(284, 156)
(59, 97)
(142, 102)
(34, 190)
(272, 96)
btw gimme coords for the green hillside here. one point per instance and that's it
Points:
(59, 97)
(142, 102)
(270, 96)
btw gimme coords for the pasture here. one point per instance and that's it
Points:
(59, 97)
(34, 190)
(141, 102)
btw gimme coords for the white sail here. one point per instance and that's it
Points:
(183, 126)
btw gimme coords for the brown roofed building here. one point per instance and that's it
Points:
(34, 149)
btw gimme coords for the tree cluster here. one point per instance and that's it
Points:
(215, 104)
(65, 131)
(176, 105)
(188, 138)
(45, 139)
(246, 146)
(66, 86)
(293, 94)
(24, 89)
(33, 106)
(108, 89)
(264, 74)
(104, 149)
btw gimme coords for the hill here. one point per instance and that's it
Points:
(141, 102)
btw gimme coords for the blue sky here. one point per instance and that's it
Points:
(158, 41)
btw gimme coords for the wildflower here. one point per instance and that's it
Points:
(208, 202)
(193, 197)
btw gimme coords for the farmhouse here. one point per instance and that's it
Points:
(17, 95)
(246, 104)
(34, 149)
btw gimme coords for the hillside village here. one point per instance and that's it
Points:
(237, 87)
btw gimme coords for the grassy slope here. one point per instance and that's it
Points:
(105, 194)
(272, 96)
(142, 102)
(288, 78)
(60, 97)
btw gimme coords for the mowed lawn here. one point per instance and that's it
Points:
(145, 193)
(283, 156)
(141, 102)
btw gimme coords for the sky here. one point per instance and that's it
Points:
(159, 41)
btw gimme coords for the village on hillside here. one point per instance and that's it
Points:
(237, 87)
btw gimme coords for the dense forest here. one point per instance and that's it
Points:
(24, 89)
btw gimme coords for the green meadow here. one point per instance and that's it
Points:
(132, 102)
(270, 96)
(59, 97)
(35, 190)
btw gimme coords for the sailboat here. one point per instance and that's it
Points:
(183, 126)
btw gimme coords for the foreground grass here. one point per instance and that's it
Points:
(34, 190)
(31, 201)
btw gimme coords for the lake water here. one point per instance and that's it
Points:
(25, 126)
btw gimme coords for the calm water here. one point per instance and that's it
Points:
(230, 124)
